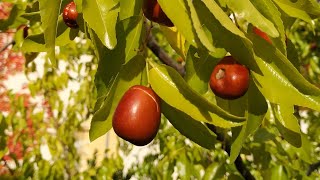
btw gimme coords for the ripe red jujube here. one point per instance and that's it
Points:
(229, 79)
(152, 11)
(137, 116)
(70, 15)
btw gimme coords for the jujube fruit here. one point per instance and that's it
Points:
(262, 34)
(229, 79)
(70, 15)
(137, 116)
(152, 11)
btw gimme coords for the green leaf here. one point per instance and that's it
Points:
(293, 11)
(311, 7)
(34, 43)
(134, 30)
(172, 88)
(129, 75)
(215, 171)
(199, 28)
(305, 152)
(78, 5)
(182, 21)
(192, 129)
(256, 109)
(287, 123)
(286, 81)
(49, 12)
(101, 16)
(246, 10)
(65, 35)
(278, 172)
(175, 39)
(130, 8)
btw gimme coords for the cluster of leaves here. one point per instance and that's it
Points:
(37, 127)
(203, 34)
(209, 34)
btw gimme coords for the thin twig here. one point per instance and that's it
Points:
(6, 46)
(163, 56)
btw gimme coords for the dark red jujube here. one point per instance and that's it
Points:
(137, 116)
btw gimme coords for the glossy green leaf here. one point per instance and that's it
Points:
(311, 7)
(134, 34)
(49, 11)
(192, 129)
(256, 108)
(293, 11)
(287, 124)
(199, 28)
(182, 22)
(286, 81)
(172, 88)
(130, 8)
(246, 10)
(175, 39)
(101, 16)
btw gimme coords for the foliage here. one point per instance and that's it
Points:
(261, 129)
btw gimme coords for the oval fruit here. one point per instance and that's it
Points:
(229, 79)
(152, 11)
(137, 116)
(70, 15)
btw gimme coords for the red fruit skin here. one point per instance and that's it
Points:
(152, 11)
(262, 34)
(232, 81)
(70, 15)
(137, 117)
